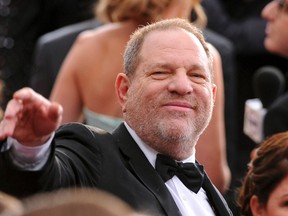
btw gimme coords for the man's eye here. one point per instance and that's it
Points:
(159, 74)
(198, 77)
(285, 203)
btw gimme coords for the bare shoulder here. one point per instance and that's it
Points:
(95, 37)
(105, 34)
(92, 45)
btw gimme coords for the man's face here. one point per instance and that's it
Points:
(276, 14)
(170, 96)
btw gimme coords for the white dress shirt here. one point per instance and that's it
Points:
(188, 202)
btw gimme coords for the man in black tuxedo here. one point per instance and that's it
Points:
(167, 96)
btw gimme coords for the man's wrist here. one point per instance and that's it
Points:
(27, 157)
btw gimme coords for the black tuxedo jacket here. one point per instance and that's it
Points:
(89, 157)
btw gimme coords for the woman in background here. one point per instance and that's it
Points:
(265, 188)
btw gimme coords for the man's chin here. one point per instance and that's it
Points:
(175, 125)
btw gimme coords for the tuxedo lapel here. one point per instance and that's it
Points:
(215, 198)
(150, 178)
(144, 171)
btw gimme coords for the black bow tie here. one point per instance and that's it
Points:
(191, 174)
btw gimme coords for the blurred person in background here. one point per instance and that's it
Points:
(265, 187)
(276, 14)
(241, 22)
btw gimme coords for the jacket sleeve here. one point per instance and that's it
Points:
(75, 160)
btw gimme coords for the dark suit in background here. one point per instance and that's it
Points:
(51, 50)
(21, 24)
(276, 118)
(88, 157)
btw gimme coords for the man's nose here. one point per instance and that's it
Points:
(180, 83)
(270, 11)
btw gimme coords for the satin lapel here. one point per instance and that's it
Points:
(216, 199)
(145, 172)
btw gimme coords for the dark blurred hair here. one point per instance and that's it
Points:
(267, 170)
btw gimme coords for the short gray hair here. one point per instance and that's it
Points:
(133, 48)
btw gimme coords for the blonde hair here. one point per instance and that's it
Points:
(141, 10)
(121, 10)
(9, 205)
(201, 18)
(77, 202)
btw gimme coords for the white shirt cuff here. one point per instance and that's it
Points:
(29, 158)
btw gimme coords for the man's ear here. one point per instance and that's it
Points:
(214, 91)
(257, 208)
(122, 85)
